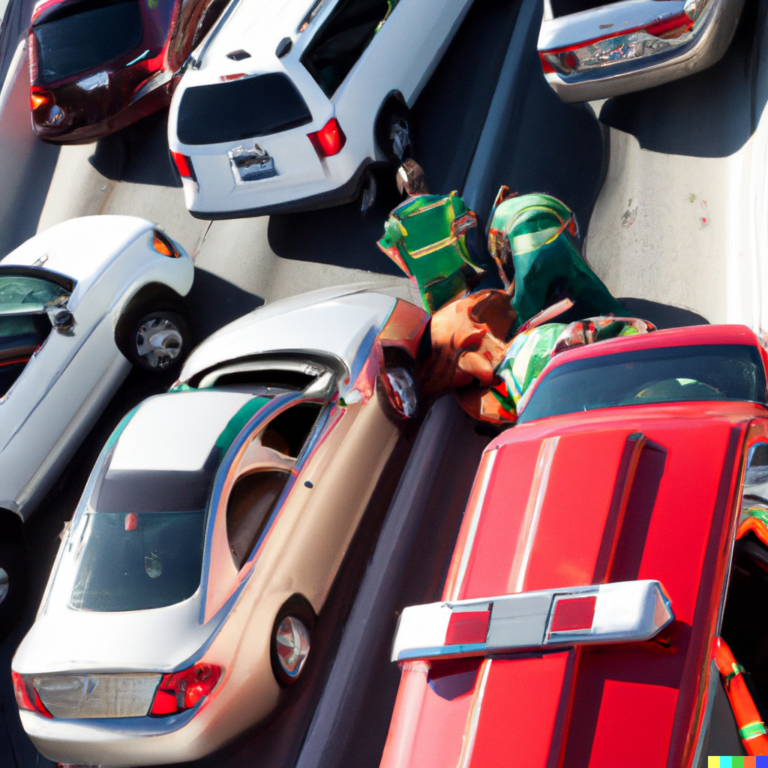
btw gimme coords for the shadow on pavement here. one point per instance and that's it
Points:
(718, 107)
(138, 154)
(215, 302)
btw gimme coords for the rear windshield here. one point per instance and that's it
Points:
(143, 541)
(673, 374)
(241, 109)
(89, 36)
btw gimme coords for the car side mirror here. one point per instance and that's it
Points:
(62, 320)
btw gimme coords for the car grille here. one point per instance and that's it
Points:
(88, 696)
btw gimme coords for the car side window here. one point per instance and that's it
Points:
(343, 38)
(262, 474)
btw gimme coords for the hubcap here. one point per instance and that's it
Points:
(292, 645)
(158, 342)
(401, 139)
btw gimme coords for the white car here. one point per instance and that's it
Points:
(211, 530)
(285, 106)
(79, 303)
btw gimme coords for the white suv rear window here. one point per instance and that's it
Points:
(241, 109)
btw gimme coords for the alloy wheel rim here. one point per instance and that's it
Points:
(292, 642)
(158, 342)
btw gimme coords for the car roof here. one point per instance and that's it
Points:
(556, 506)
(257, 28)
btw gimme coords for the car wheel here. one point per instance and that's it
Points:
(13, 572)
(158, 341)
(395, 132)
(291, 640)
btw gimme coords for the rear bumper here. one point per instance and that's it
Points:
(131, 113)
(707, 48)
(120, 741)
(338, 196)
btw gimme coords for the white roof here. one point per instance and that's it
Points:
(332, 321)
(256, 27)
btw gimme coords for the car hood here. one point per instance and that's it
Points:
(340, 322)
(620, 495)
(79, 248)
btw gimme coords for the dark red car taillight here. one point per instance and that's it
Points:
(184, 165)
(39, 98)
(32, 52)
(180, 691)
(26, 695)
(329, 140)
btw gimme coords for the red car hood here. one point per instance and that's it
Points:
(617, 495)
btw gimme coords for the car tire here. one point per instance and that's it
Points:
(290, 642)
(15, 575)
(156, 340)
(394, 132)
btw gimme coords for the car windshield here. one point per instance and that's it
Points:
(74, 39)
(142, 545)
(241, 109)
(671, 374)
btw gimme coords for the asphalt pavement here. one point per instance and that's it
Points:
(485, 118)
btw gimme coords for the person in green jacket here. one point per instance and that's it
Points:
(532, 240)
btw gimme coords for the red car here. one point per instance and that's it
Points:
(99, 65)
(612, 556)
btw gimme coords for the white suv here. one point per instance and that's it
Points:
(285, 106)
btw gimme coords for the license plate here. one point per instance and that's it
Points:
(88, 696)
(251, 164)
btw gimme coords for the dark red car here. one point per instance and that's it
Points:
(612, 556)
(99, 65)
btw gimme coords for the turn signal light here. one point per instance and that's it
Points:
(180, 691)
(329, 140)
(184, 164)
(26, 695)
(39, 99)
(164, 245)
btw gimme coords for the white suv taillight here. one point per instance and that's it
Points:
(622, 612)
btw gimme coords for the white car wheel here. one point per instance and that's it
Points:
(291, 646)
(159, 340)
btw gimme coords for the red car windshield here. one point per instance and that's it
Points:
(661, 375)
(85, 36)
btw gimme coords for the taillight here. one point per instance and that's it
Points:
(26, 695)
(38, 98)
(164, 245)
(329, 140)
(180, 691)
(467, 627)
(184, 164)
(573, 614)
(617, 47)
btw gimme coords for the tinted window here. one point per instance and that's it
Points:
(143, 540)
(20, 336)
(241, 109)
(89, 36)
(707, 372)
(129, 564)
(336, 48)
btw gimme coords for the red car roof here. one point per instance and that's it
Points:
(557, 504)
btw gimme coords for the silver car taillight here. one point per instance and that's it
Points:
(89, 696)
(628, 611)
